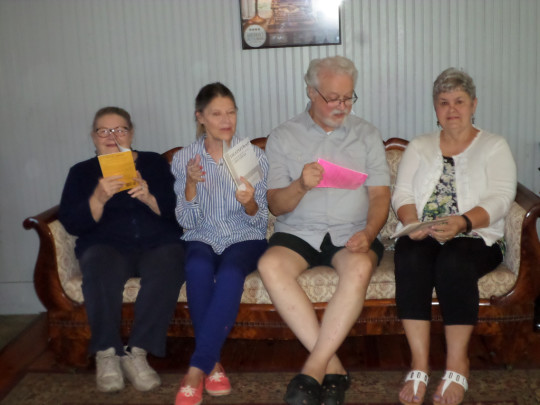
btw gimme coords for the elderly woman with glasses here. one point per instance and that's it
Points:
(124, 233)
(467, 177)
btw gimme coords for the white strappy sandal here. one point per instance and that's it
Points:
(417, 377)
(450, 377)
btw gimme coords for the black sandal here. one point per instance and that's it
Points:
(334, 387)
(303, 390)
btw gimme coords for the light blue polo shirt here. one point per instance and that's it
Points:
(357, 145)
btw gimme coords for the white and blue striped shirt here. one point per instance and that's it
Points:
(214, 216)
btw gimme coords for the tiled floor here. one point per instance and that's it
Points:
(12, 325)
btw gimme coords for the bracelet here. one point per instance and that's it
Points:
(468, 227)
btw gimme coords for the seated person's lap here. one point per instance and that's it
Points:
(310, 254)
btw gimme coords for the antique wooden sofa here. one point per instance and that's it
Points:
(507, 294)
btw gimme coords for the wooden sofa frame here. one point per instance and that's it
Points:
(505, 321)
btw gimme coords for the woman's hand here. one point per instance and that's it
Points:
(407, 215)
(194, 175)
(419, 234)
(142, 193)
(107, 187)
(448, 230)
(194, 171)
(245, 195)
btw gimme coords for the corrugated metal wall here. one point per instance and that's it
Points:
(60, 60)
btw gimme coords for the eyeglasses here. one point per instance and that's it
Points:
(334, 102)
(105, 132)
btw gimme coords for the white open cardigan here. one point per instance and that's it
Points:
(485, 177)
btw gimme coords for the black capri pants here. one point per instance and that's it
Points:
(452, 268)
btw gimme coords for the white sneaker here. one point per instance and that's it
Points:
(138, 371)
(109, 375)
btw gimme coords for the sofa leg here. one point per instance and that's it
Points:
(537, 314)
(510, 346)
(71, 352)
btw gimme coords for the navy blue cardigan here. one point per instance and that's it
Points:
(126, 223)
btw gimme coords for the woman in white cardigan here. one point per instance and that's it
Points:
(468, 177)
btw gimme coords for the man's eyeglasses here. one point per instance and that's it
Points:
(335, 102)
(118, 131)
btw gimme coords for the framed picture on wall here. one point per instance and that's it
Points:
(281, 23)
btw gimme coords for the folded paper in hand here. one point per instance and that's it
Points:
(407, 229)
(242, 161)
(119, 163)
(336, 176)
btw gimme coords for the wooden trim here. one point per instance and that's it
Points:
(395, 144)
(20, 353)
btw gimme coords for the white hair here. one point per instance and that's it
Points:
(333, 64)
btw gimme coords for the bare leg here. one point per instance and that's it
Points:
(417, 332)
(193, 377)
(342, 311)
(279, 269)
(457, 359)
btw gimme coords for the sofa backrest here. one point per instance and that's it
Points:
(394, 149)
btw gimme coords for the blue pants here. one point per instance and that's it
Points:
(105, 272)
(453, 269)
(215, 284)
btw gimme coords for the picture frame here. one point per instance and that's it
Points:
(289, 23)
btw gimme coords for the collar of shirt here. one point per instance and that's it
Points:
(201, 149)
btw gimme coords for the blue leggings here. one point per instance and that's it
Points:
(215, 284)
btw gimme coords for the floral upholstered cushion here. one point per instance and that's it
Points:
(320, 282)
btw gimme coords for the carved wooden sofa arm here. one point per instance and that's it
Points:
(46, 278)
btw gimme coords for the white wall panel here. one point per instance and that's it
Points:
(61, 60)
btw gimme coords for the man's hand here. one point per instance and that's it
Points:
(360, 242)
(312, 174)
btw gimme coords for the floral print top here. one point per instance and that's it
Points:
(443, 200)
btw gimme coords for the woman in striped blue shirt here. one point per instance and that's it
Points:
(225, 230)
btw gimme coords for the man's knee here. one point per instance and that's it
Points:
(356, 269)
(269, 264)
(278, 263)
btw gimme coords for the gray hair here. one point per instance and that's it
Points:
(453, 79)
(334, 64)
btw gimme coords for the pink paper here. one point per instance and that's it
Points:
(336, 176)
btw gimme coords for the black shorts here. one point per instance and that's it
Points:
(311, 255)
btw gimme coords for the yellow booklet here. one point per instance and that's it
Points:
(119, 163)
